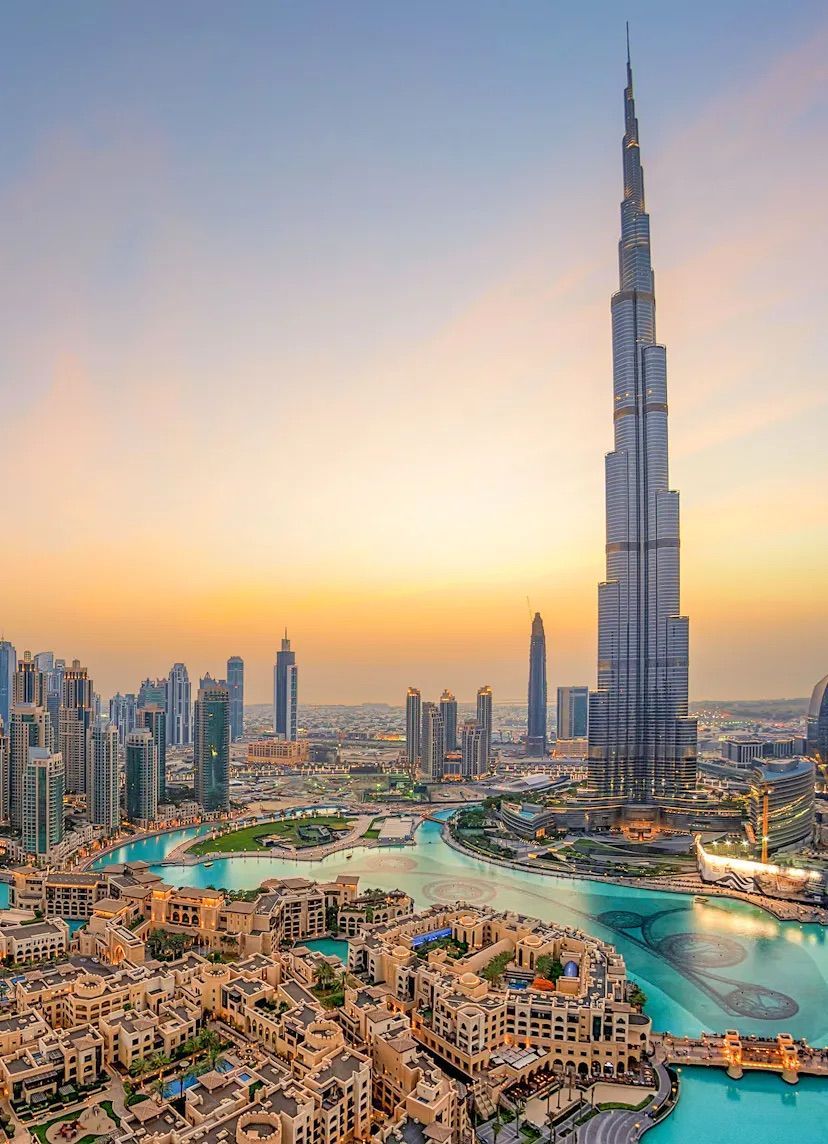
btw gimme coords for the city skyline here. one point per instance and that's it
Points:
(486, 299)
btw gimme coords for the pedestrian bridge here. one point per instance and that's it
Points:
(736, 1053)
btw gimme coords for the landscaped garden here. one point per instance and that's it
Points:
(313, 830)
(82, 1126)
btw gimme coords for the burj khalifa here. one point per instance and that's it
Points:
(642, 743)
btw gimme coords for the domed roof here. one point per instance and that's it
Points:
(570, 969)
(818, 698)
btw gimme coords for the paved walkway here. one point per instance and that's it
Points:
(617, 1126)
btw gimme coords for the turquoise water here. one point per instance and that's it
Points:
(759, 1109)
(330, 946)
(715, 965)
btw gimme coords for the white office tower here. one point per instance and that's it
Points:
(642, 744)
(103, 795)
(432, 743)
(471, 749)
(179, 707)
(43, 790)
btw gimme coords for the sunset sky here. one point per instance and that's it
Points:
(306, 322)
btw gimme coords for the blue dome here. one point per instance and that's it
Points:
(570, 969)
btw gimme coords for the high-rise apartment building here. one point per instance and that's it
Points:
(155, 719)
(235, 684)
(211, 739)
(286, 692)
(573, 712)
(817, 742)
(471, 749)
(28, 684)
(484, 718)
(8, 666)
(536, 722)
(43, 791)
(179, 707)
(141, 775)
(642, 742)
(432, 743)
(76, 718)
(448, 711)
(123, 712)
(29, 726)
(103, 792)
(413, 725)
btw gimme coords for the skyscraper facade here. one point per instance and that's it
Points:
(103, 786)
(155, 719)
(29, 726)
(573, 712)
(8, 666)
(211, 739)
(642, 743)
(413, 725)
(484, 718)
(536, 723)
(54, 693)
(817, 742)
(43, 791)
(286, 692)
(448, 710)
(153, 693)
(235, 683)
(179, 707)
(29, 684)
(141, 776)
(471, 749)
(432, 742)
(76, 718)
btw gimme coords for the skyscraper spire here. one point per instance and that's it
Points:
(642, 744)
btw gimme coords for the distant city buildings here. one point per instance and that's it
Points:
(235, 684)
(179, 706)
(153, 693)
(211, 745)
(286, 692)
(413, 725)
(123, 713)
(536, 724)
(818, 722)
(573, 712)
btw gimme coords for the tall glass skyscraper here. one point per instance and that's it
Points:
(179, 706)
(286, 692)
(235, 682)
(448, 711)
(211, 745)
(413, 725)
(8, 666)
(536, 725)
(642, 744)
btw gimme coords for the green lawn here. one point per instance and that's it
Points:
(248, 838)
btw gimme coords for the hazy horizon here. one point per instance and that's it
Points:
(307, 323)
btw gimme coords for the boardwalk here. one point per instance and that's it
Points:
(730, 1051)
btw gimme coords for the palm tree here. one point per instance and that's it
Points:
(158, 1087)
(496, 1127)
(520, 1105)
(188, 1073)
(139, 1069)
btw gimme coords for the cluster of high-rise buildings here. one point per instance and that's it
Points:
(55, 742)
(437, 746)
